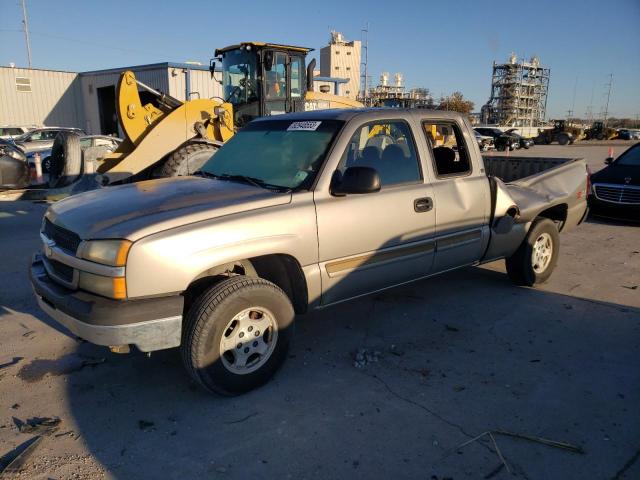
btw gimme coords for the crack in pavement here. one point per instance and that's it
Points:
(421, 406)
(626, 466)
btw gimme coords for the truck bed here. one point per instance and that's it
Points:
(509, 169)
(537, 184)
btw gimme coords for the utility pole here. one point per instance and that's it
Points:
(589, 112)
(25, 23)
(606, 108)
(573, 103)
(364, 34)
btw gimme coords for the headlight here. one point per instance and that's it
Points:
(107, 252)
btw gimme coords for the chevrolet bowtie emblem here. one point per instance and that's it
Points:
(627, 179)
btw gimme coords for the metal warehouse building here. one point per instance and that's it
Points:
(88, 99)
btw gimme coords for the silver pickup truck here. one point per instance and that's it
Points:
(295, 212)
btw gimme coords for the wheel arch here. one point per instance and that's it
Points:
(558, 213)
(282, 269)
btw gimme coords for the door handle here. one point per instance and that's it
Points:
(422, 204)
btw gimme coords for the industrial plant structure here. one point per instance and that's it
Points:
(341, 58)
(396, 94)
(518, 94)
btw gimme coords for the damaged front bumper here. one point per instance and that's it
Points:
(149, 324)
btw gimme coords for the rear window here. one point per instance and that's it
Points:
(284, 153)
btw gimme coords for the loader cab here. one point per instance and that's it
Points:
(261, 79)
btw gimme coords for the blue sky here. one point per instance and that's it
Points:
(444, 46)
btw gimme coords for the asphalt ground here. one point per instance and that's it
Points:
(446, 360)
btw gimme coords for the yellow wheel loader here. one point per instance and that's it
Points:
(176, 138)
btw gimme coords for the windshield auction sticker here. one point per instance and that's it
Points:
(303, 126)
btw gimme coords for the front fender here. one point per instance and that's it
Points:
(168, 261)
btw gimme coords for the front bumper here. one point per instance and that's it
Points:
(149, 324)
(618, 211)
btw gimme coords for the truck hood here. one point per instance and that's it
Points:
(139, 209)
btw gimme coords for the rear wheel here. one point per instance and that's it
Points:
(536, 258)
(187, 159)
(237, 334)
(563, 139)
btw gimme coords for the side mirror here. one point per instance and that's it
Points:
(608, 161)
(356, 180)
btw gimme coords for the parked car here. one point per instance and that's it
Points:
(12, 131)
(295, 212)
(111, 143)
(41, 138)
(502, 140)
(14, 172)
(485, 142)
(523, 142)
(615, 190)
(628, 134)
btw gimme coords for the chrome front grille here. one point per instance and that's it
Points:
(64, 238)
(622, 194)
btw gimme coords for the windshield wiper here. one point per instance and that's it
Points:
(202, 173)
(256, 182)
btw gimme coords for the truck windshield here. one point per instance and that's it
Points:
(239, 80)
(283, 154)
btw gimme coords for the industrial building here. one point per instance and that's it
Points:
(396, 94)
(518, 94)
(341, 58)
(87, 100)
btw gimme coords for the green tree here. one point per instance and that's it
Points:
(456, 103)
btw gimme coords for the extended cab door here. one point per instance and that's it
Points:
(461, 192)
(376, 240)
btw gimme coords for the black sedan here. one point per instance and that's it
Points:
(524, 142)
(502, 140)
(615, 189)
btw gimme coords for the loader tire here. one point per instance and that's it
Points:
(187, 159)
(563, 139)
(65, 164)
(537, 255)
(600, 136)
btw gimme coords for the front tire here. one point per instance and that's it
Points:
(563, 139)
(534, 261)
(237, 334)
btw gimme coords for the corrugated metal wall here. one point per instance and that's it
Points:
(156, 78)
(202, 85)
(54, 99)
(71, 99)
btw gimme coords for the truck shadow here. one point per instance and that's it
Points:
(443, 358)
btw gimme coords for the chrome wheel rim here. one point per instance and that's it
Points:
(542, 253)
(248, 340)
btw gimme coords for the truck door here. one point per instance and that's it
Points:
(372, 241)
(461, 190)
